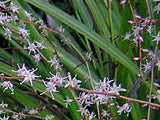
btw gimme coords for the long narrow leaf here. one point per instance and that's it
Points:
(79, 27)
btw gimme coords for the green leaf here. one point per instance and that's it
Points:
(81, 28)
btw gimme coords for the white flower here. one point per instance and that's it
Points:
(91, 116)
(16, 117)
(4, 118)
(21, 71)
(49, 117)
(23, 33)
(126, 108)
(116, 89)
(86, 99)
(55, 63)
(157, 8)
(29, 76)
(29, 15)
(158, 64)
(157, 38)
(31, 47)
(105, 113)
(8, 33)
(7, 85)
(57, 79)
(68, 101)
(33, 112)
(4, 19)
(61, 29)
(37, 57)
(103, 86)
(73, 82)
(13, 7)
(51, 87)
(103, 99)
(3, 105)
(2, 4)
(40, 22)
(127, 36)
(84, 111)
(88, 56)
(40, 45)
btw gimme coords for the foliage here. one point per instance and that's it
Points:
(79, 59)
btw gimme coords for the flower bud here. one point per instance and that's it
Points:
(147, 79)
(140, 39)
(144, 105)
(145, 51)
(130, 22)
(122, 2)
(139, 75)
(157, 85)
(145, 58)
(155, 21)
(155, 108)
(138, 17)
(136, 58)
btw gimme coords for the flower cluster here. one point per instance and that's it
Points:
(9, 12)
(42, 27)
(33, 47)
(126, 108)
(55, 63)
(4, 108)
(7, 85)
(108, 88)
(104, 92)
(140, 25)
(58, 81)
(27, 75)
(157, 8)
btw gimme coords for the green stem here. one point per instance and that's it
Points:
(110, 19)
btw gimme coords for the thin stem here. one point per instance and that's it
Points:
(91, 92)
(150, 92)
(110, 19)
(22, 114)
(139, 101)
(148, 8)
(74, 47)
(139, 42)
(151, 86)
(43, 57)
(89, 73)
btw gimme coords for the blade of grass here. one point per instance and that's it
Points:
(81, 28)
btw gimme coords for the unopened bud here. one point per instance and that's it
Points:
(144, 105)
(138, 17)
(122, 2)
(130, 22)
(155, 108)
(157, 85)
(139, 75)
(145, 58)
(147, 79)
(136, 58)
(146, 50)
(155, 21)
(140, 39)
(142, 20)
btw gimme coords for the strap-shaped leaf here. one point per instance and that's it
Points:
(82, 29)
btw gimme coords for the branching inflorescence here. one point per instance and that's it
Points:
(105, 91)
